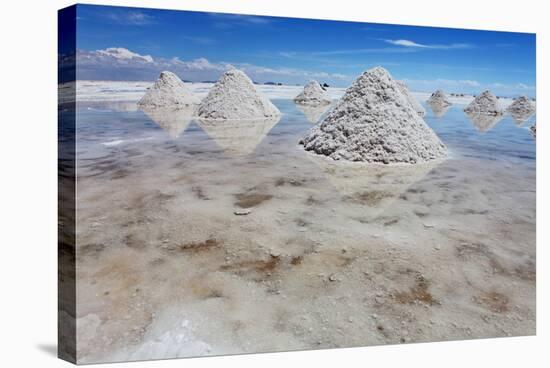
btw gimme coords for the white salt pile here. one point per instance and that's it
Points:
(484, 103)
(521, 109)
(234, 97)
(313, 95)
(412, 100)
(374, 122)
(168, 91)
(439, 99)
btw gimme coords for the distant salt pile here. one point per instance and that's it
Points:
(234, 97)
(412, 100)
(374, 122)
(168, 91)
(534, 129)
(439, 99)
(485, 103)
(313, 95)
(521, 109)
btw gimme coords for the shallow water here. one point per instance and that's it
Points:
(202, 238)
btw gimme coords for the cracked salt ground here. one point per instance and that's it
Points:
(186, 248)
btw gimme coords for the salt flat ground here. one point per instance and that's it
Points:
(205, 239)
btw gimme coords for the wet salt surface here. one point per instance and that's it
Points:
(205, 239)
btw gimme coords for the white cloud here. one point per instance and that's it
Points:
(124, 54)
(118, 63)
(405, 43)
(136, 18)
(413, 44)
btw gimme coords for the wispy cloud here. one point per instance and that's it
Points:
(468, 86)
(200, 40)
(226, 21)
(131, 17)
(416, 45)
(312, 55)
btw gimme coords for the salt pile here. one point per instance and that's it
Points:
(485, 103)
(235, 97)
(438, 98)
(168, 91)
(374, 122)
(412, 100)
(521, 109)
(534, 129)
(313, 95)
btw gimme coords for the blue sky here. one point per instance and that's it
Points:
(132, 43)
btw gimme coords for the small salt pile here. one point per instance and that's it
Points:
(486, 103)
(534, 129)
(234, 97)
(521, 109)
(412, 100)
(374, 122)
(168, 91)
(313, 95)
(439, 99)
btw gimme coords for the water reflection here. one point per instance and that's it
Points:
(172, 121)
(313, 113)
(121, 106)
(374, 186)
(238, 137)
(484, 122)
(438, 110)
(520, 118)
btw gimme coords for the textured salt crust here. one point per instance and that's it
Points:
(168, 91)
(439, 99)
(412, 100)
(313, 95)
(235, 97)
(374, 122)
(484, 103)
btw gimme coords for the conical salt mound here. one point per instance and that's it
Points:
(313, 95)
(485, 103)
(168, 91)
(521, 109)
(412, 100)
(374, 122)
(234, 97)
(438, 98)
